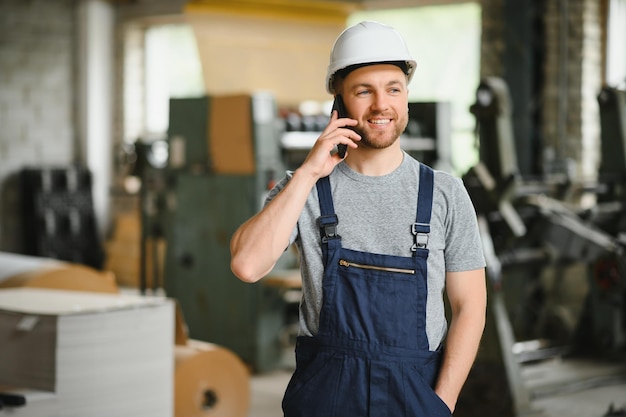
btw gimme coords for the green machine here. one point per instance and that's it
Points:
(223, 155)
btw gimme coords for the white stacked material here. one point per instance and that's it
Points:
(87, 354)
(13, 264)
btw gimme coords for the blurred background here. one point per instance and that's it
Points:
(137, 135)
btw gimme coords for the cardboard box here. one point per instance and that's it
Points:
(231, 140)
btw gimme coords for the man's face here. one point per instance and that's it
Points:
(377, 97)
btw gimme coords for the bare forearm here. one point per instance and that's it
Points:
(259, 242)
(461, 347)
(468, 300)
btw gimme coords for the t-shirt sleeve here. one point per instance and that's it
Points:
(274, 192)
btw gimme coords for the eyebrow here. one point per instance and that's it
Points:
(368, 85)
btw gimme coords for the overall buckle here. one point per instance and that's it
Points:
(328, 224)
(420, 232)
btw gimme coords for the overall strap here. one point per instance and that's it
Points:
(328, 220)
(421, 227)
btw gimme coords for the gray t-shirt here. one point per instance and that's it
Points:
(375, 215)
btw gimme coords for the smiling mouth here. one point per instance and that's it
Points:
(379, 121)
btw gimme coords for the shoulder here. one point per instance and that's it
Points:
(444, 182)
(449, 191)
(447, 182)
(452, 197)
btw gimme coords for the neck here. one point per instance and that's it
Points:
(375, 162)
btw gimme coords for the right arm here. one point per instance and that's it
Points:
(258, 243)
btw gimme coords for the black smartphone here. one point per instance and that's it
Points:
(341, 112)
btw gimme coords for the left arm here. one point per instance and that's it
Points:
(468, 299)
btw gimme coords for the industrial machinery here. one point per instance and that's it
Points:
(222, 157)
(607, 302)
(556, 269)
(57, 215)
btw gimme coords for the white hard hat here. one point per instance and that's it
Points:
(368, 43)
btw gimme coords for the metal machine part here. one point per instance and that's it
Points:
(527, 218)
(492, 110)
(58, 217)
(612, 104)
(556, 270)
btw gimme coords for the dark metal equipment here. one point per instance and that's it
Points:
(57, 215)
(557, 270)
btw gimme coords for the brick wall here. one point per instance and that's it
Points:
(36, 96)
(572, 73)
(492, 38)
(573, 78)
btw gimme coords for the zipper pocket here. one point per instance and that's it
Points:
(345, 263)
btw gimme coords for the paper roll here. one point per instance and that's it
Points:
(209, 381)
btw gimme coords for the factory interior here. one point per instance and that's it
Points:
(137, 135)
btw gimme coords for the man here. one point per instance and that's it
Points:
(380, 236)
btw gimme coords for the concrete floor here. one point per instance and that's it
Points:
(577, 387)
(559, 388)
(267, 393)
(589, 402)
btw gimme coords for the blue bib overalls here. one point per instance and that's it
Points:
(371, 356)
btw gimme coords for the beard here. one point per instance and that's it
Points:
(381, 140)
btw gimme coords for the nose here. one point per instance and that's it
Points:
(380, 102)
